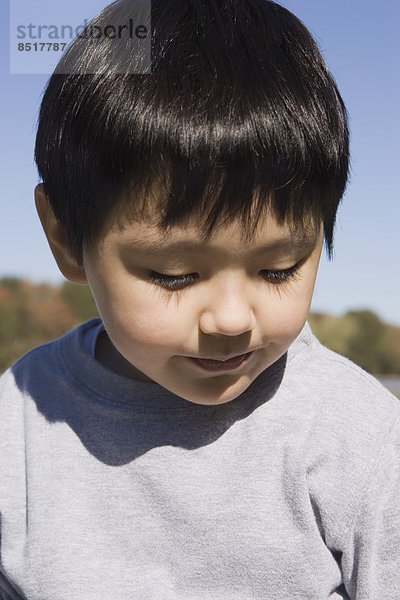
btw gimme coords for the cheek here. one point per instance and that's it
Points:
(145, 319)
(284, 314)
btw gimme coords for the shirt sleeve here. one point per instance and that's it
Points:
(371, 559)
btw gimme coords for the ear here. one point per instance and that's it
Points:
(57, 239)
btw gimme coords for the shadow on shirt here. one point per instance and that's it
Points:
(7, 592)
(116, 434)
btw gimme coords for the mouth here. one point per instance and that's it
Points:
(229, 364)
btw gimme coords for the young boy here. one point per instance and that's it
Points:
(197, 442)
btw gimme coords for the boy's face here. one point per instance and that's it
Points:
(215, 300)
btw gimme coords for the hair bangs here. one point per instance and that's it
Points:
(216, 196)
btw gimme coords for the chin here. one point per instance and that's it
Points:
(213, 397)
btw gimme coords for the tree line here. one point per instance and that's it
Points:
(32, 314)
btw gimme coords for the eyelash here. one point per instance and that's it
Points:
(174, 283)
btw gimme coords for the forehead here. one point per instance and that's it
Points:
(147, 237)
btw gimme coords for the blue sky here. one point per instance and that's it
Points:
(360, 42)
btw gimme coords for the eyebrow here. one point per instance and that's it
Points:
(157, 249)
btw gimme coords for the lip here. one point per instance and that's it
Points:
(227, 363)
(222, 358)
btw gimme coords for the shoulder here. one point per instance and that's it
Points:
(339, 385)
(72, 340)
(46, 364)
(344, 416)
(346, 426)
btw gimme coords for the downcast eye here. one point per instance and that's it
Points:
(171, 282)
(179, 282)
(281, 276)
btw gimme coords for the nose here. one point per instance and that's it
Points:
(228, 311)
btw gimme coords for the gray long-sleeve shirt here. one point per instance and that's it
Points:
(117, 489)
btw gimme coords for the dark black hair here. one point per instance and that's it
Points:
(238, 114)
